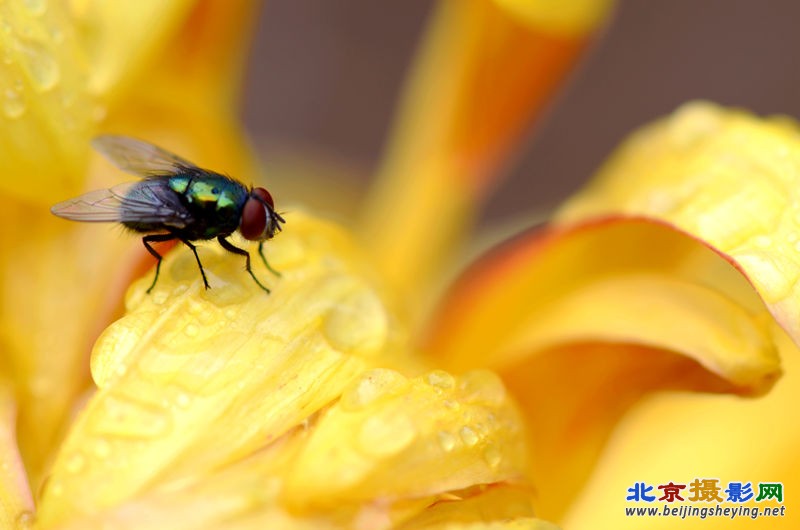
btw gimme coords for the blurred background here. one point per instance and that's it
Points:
(324, 77)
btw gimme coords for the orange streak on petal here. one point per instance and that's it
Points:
(16, 502)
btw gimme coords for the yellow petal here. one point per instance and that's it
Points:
(390, 436)
(725, 177)
(63, 281)
(46, 104)
(238, 406)
(54, 303)
(192, 379)
(16, 502)
(692, 436)
(583, 296)
(481, 77)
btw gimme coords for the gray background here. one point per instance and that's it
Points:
(324, 75)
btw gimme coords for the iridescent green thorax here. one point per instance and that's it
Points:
(214, 200)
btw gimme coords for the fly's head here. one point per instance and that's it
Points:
(259, 220)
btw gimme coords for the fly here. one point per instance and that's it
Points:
(176, 200)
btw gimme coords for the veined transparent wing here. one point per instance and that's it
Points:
(138, 157)
(146, 201)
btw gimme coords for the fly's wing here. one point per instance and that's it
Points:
(139, 158)
(148, 201)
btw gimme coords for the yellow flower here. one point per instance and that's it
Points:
(324, 404)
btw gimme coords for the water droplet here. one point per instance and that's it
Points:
(191, 330)
(492, 456)
(25, 520)
(451, 404)
(468, 436)
(99, 113)
(35, 7)
(56, 489)
(127, 417)
(441, 380)
(762, 241)
(373, 385)
(447, 441)
(482, 386)
(75, 463)
(386, 434)
(57, 34)
(101, 448)
(357, 324)
(183, 400)
(40, 65)
(13, 104)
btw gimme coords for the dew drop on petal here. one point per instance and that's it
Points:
(24, 520)
(56, 489)
(492, 456)
(371, 386)
(101, 448)
(357, 324)
(447, 441)
(40, 65)
(468, 436)
(762, 241)
(183, 400)
(75, 463)
(482, 386)
(451, 404)
(386, 435)
(35, 7)
(14, 104)
(191, 330)
(441, 380)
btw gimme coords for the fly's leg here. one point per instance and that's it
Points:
(264, 259)
(236, 250)
(155, 238)
(194, 249)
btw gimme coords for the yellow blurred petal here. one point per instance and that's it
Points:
(390, 436)
(679, 437)
(726, 177)
(192, 379)
(46, 106)
(575, 16)
(116, 55)
(54, 304)
(481, 77)
(677, 315)
(69, 274)
(16, 503)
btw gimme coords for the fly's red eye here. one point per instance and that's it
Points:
(254, 219)
(265, 196)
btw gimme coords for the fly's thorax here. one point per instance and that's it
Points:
(214, 201)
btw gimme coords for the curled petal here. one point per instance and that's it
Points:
(623, 304)
(725, 177)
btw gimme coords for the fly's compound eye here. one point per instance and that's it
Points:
(254, 219)
(265, 196)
